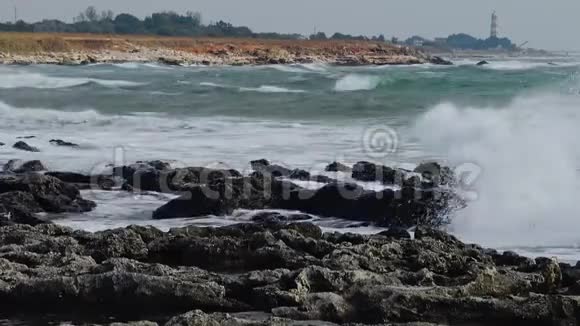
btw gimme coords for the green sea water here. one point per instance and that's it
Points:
(511, 126)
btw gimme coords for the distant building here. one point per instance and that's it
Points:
(493, 31)
(418, 42)
(440, 40)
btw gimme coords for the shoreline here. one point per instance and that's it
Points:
(77, 49)
(277, 269)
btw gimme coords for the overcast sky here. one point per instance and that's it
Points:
(553, 25)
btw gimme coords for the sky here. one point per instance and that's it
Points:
(551, 25)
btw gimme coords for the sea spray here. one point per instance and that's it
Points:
(528, 190)
(354, 82)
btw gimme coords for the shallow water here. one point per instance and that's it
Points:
(509, 127)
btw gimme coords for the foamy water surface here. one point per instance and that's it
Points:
(515, 120)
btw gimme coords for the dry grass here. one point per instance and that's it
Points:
(18, 43)
(26, 43)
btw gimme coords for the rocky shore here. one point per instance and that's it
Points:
(275, 271)
(276, 274)
(90, 49)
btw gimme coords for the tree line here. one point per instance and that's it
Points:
(464, 42)
(190, 25)
(167, 23)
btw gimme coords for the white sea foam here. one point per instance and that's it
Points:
(210, 84)
(13, 79)
(290, 69)
(120, 209)
(528, 153)
(315, 67)
(516, 64)
(261, 89)
(128, 65)
(192, 141)
(355, 82)
(114, 83)
(270, 89)
(140, 65)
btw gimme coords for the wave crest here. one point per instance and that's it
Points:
(354, 82)
(12, 80)
(529, 158)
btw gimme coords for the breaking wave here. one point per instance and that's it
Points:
(271, 89)
(527, 192)
(261, 89)
(12, 80)
(354, 82)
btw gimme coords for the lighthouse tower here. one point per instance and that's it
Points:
(493, 33)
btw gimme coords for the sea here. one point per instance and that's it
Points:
(510, 130)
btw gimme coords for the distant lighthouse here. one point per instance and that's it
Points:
(493, 33)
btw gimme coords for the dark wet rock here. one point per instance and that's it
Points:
(510, 258)
(10, 166)
(205, 191)
(157, 164)
(415, 182)
(117, 244)
(258, 164)
(222, 195)
(17, 166)
(25, 147)
(366, 171)
(136, 323)
(51, 194)
(396, 233)
(2, 144)
(170, 61)
(157, 176)
(83, 181)
(395, 304)
(275, 274)
(322, 179)
(275, 170)
(482, 63)
(25, 137)
(128, 171)
(551, 274)
(264, 167)
(60, 142)
(198, 317)
(70, 177)
(440, 61)
(435, 173)
(299, 174)
(197, 201)
(337, 167)
(18, 207)
(570, 275)
(275, 217)
(407, 207)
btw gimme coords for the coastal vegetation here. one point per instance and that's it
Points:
(161, 24)
(191, 24)
(463, 41)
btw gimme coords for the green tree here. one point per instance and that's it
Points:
(128, 24)
(195, 18)
(318, 36)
